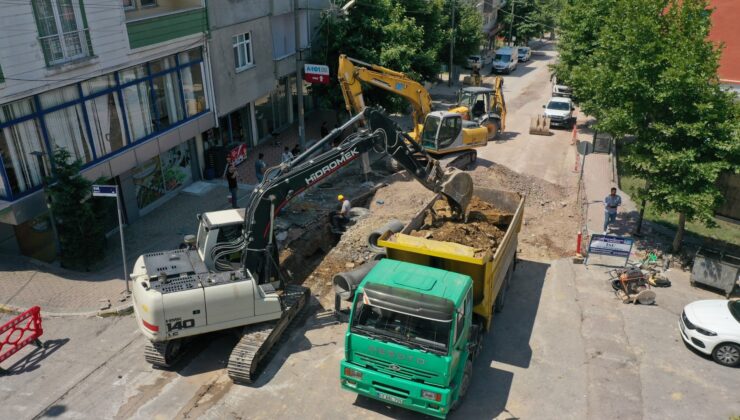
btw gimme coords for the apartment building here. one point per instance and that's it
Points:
(253, 51)
(123, 85)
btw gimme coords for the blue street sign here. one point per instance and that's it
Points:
(105, 191)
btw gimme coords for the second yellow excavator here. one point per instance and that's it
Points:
(477, 118)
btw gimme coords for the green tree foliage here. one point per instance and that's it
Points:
(653, 74)
(404, 35)
(80, 230)
(531, 19)
(578, 25)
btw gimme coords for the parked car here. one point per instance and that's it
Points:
(560, 112)
(524, 54)
(559, 89)
(474, 61)
(506, 60)
(712, 327)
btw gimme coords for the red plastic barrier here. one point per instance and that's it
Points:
(16, 333)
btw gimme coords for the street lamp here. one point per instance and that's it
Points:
(42, 170)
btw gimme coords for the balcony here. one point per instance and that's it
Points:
(150, 23)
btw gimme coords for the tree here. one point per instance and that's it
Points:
(410, 36)
(654, 74)
(80, 230)
(529, 19)
(579, 24)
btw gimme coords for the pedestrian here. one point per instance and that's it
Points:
(611, 203)
(287, 156)
(324, 130)
(339, 219)
(296, 150)
(259, 167)
(232, 177)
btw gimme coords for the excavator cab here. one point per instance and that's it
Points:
(441, 130)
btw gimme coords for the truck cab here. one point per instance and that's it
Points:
(408, 338)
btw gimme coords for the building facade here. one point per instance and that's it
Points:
(253, 50)
(122, 85)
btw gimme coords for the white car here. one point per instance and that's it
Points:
(475, 61)
(712, 327)
(560, 112)
(524, 54)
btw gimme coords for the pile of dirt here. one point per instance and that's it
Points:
(485, 227)
(550, 213)
(401, 199)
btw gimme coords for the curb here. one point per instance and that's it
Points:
(122, 310)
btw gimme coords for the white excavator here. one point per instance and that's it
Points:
(230, 278)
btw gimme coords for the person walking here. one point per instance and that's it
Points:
(324, 130)
(259, 167)
(296, 150)
(232, 177)
(287, 155)
(611, 204)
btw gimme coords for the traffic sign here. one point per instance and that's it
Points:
(316, 73)
(105, 191)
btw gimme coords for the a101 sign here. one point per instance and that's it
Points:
(316, 73)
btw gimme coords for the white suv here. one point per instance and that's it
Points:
(560, 112)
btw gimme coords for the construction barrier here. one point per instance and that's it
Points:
(20, 331)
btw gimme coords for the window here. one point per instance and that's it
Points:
(168, 102)
(106, 123)
(66, 127)
(449, 131)
(147, 3)
(128, 4)
(63, 31)
(136, 99)
(17, 142)
(460, 322)
(243, 57)
(192, 86)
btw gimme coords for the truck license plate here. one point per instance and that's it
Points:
(391, 398)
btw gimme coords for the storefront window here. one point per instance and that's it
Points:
(176, 167)
(162, 174)
(138, 110)
(192, 85)
(279, 99)
(263, 114)
(148, 182)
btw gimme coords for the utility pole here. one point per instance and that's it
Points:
(452, 43)
(299, 78)
(511, 24)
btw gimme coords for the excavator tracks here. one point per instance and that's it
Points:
(163, 354)
(245, 361)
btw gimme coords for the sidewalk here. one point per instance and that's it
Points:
(25, 282)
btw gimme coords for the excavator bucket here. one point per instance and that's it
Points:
(540, 125)
(458, 188)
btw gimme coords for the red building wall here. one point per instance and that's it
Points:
(726, 28)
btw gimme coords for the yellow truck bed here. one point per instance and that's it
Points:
(488, 269)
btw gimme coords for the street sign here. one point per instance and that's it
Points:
(316, 73)
(610, 246)
(105, 191)
(112, 191)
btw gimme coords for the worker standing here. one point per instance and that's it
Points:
(287, 155)
(611, 204)
(259, 167)
(339, 219)
(232, 177)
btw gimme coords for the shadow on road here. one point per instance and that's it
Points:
(31, 361)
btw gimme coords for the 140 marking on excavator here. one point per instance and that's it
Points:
(177, 324)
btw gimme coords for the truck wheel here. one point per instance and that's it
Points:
(498, 305)
(464, 384)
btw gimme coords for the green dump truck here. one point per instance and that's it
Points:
(419, 316)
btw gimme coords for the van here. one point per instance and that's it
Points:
(506, 60)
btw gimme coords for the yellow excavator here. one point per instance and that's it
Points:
(477, 118)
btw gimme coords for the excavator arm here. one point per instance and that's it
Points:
(351, 77)
(286, 181)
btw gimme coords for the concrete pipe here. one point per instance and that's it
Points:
(394, 226)
(346, 283)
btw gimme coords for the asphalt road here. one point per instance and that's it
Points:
(563, 347)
